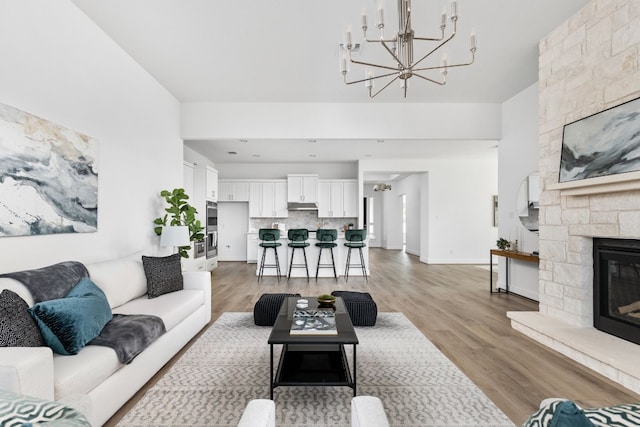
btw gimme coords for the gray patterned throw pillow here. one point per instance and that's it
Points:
(164, 274)
(17, 327)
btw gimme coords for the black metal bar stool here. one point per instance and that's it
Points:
(269, 240)
(327, 240)
(298, 240)
(355, 239)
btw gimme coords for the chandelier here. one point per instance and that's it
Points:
(401, 49)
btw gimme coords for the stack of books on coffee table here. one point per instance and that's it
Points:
(313, 322)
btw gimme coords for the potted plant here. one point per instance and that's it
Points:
(179, 212)
(503, 244)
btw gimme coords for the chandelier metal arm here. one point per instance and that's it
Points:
(431, 80)
(447, 40)
(440, 67)
(381, 76)
(393, 54)
(384, 87)
(394, 40)
(386, 67)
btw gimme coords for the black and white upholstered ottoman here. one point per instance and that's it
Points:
(362, 309)
(267, 307)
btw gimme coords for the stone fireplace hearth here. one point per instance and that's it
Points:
(588, 64)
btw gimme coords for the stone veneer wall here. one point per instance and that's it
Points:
(588, 64)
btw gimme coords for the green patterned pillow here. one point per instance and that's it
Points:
(27, 411)
(543, 416)
(618, 415)
(626, 415)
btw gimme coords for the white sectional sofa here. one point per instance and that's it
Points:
(366, 411)
(94, 381)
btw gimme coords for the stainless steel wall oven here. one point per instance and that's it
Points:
(212, 230)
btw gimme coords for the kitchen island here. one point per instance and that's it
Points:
(254, 253)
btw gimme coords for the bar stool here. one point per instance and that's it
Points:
(269, 239)
(327, 238)
(298, 240)
(355, 240)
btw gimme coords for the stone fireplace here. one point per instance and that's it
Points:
(588, 64)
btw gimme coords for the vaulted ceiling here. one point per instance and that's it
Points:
(268, 51)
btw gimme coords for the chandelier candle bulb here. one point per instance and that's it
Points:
(380, 17)
(343, 64)
(454, 9)
(369, 82)
(348, 39)
(443, 21)
(364, 21)
(473, 41)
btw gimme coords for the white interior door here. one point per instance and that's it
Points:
(233, 224)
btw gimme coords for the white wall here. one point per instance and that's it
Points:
(341, 121)
(375, 239)
(410, 187)
(517, 158)
(456, 216)
(344, 170)
(57, 64)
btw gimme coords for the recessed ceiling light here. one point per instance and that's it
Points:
(232, 152)
(380, 140)
(243, 140)
(312, 155)
(367, 155)
(256, 155)
(313, 140)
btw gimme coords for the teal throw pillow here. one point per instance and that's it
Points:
(567, 414)
(69, 323)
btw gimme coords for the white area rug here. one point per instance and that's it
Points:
(229, 365)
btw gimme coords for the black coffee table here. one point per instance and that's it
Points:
(313, 360)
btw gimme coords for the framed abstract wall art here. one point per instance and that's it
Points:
(48, 177)
(606, 143)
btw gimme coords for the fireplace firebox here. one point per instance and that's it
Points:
(616, 287)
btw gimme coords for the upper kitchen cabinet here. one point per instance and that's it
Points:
(302, 188)
(268, 199)
(337, 199)
(212, 184)
(230, 190)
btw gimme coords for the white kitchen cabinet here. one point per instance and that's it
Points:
(302, 188)
(252, 247)
(337, 199)
(268, 199)
(233, 191)
(212, 184)
(350, 198)
(188, 173)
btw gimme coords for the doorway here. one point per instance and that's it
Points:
(404, 222)
(233, 224)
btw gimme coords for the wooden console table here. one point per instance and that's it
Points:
(509, 255)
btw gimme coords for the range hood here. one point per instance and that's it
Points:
(302, 206)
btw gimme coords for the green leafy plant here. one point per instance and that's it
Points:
(179, 212)
(503, 244)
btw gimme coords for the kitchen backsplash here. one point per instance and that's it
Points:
(302, 219)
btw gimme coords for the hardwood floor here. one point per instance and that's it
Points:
(452, 306)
